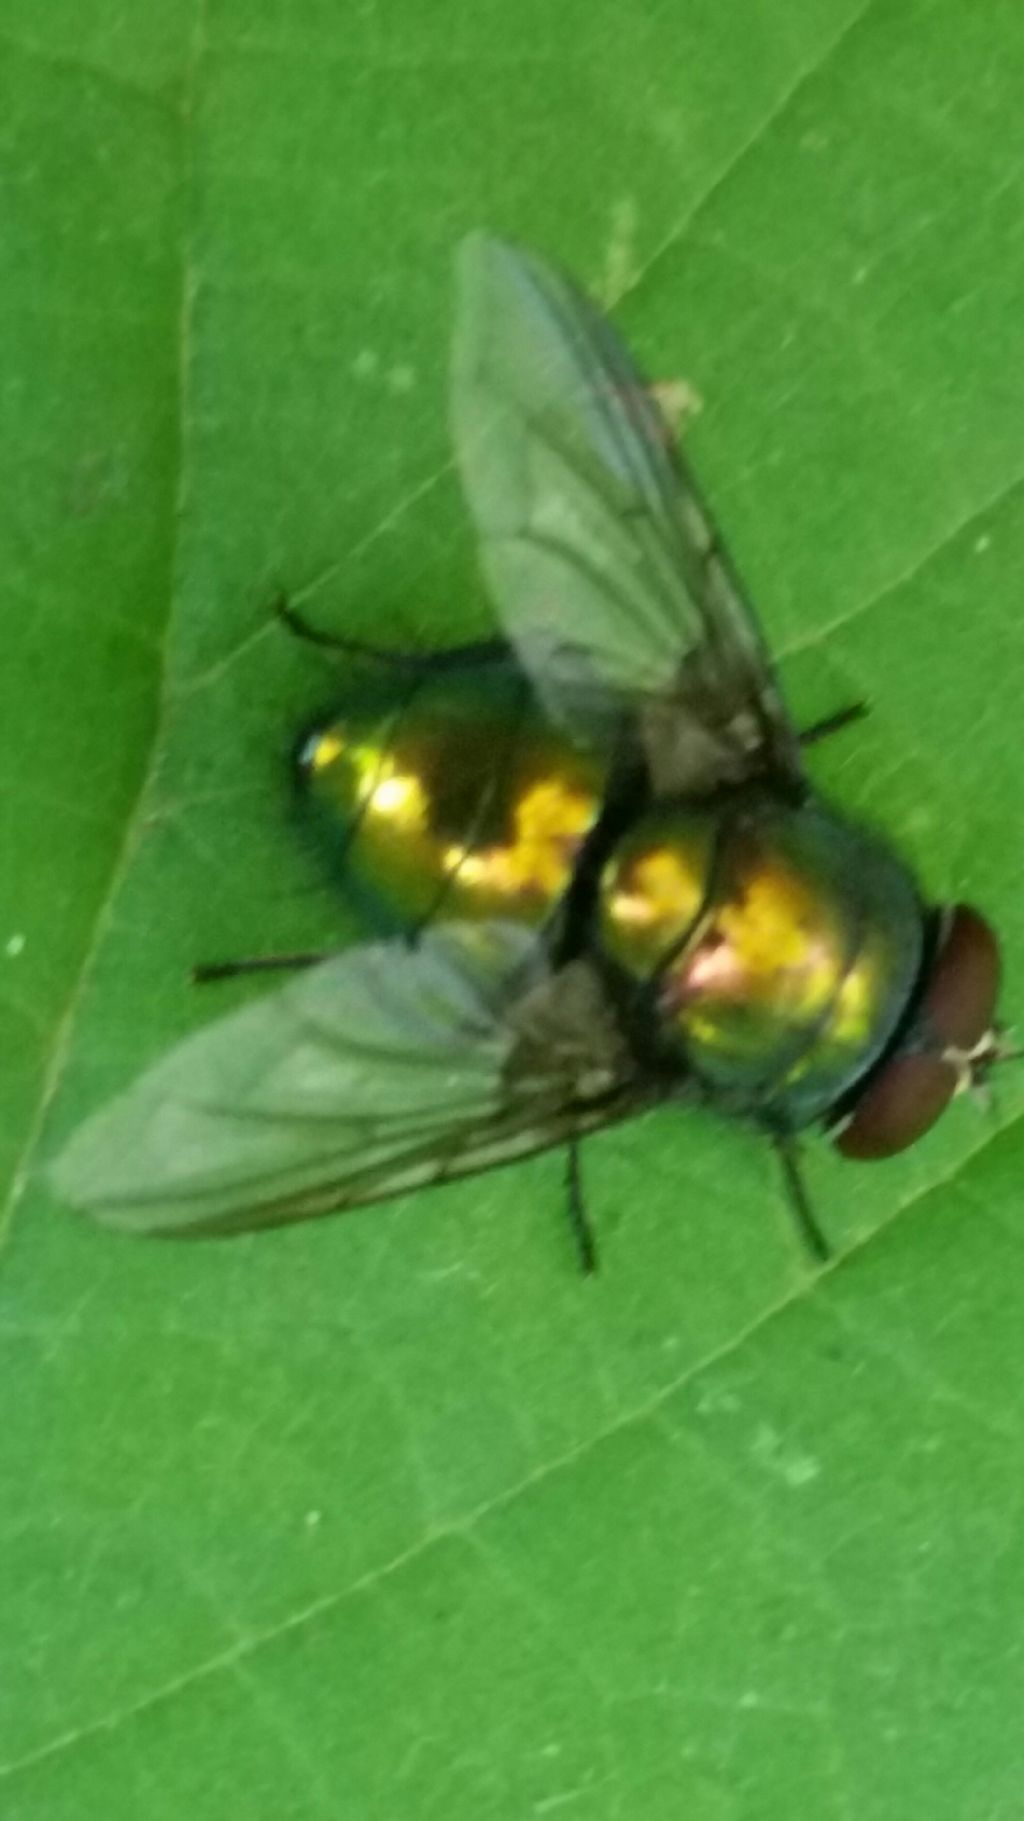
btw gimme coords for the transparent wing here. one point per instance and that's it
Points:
(382, 1071)
(603, 562)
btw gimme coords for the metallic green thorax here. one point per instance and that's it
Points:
(781, 944)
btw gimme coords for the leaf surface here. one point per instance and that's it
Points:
(395, 1515)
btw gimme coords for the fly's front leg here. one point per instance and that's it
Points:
(799, 1202)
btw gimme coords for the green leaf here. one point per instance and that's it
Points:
(394, 1515)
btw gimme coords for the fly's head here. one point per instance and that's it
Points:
(949, 1045)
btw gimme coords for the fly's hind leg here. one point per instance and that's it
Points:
(583, 1233)
(410, 663)
(833, 723)
(206, 972)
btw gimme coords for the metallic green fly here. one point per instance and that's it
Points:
(609, 880)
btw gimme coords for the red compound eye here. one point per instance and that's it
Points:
(907, 1096)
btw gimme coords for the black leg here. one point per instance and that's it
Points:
(483, 651)
(833, 723)
(810, 1232)
(586, 1246)
(331, 641)
(208, 971)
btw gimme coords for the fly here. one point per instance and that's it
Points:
(602, 878)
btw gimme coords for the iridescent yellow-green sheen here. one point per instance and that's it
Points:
(453, 804)
(771, 946)
(780, 943)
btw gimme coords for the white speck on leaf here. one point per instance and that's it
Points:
(14, 946)
(712, 1402)
(678, 402)
(401, 379)
(792, 1466)
(620, 259)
